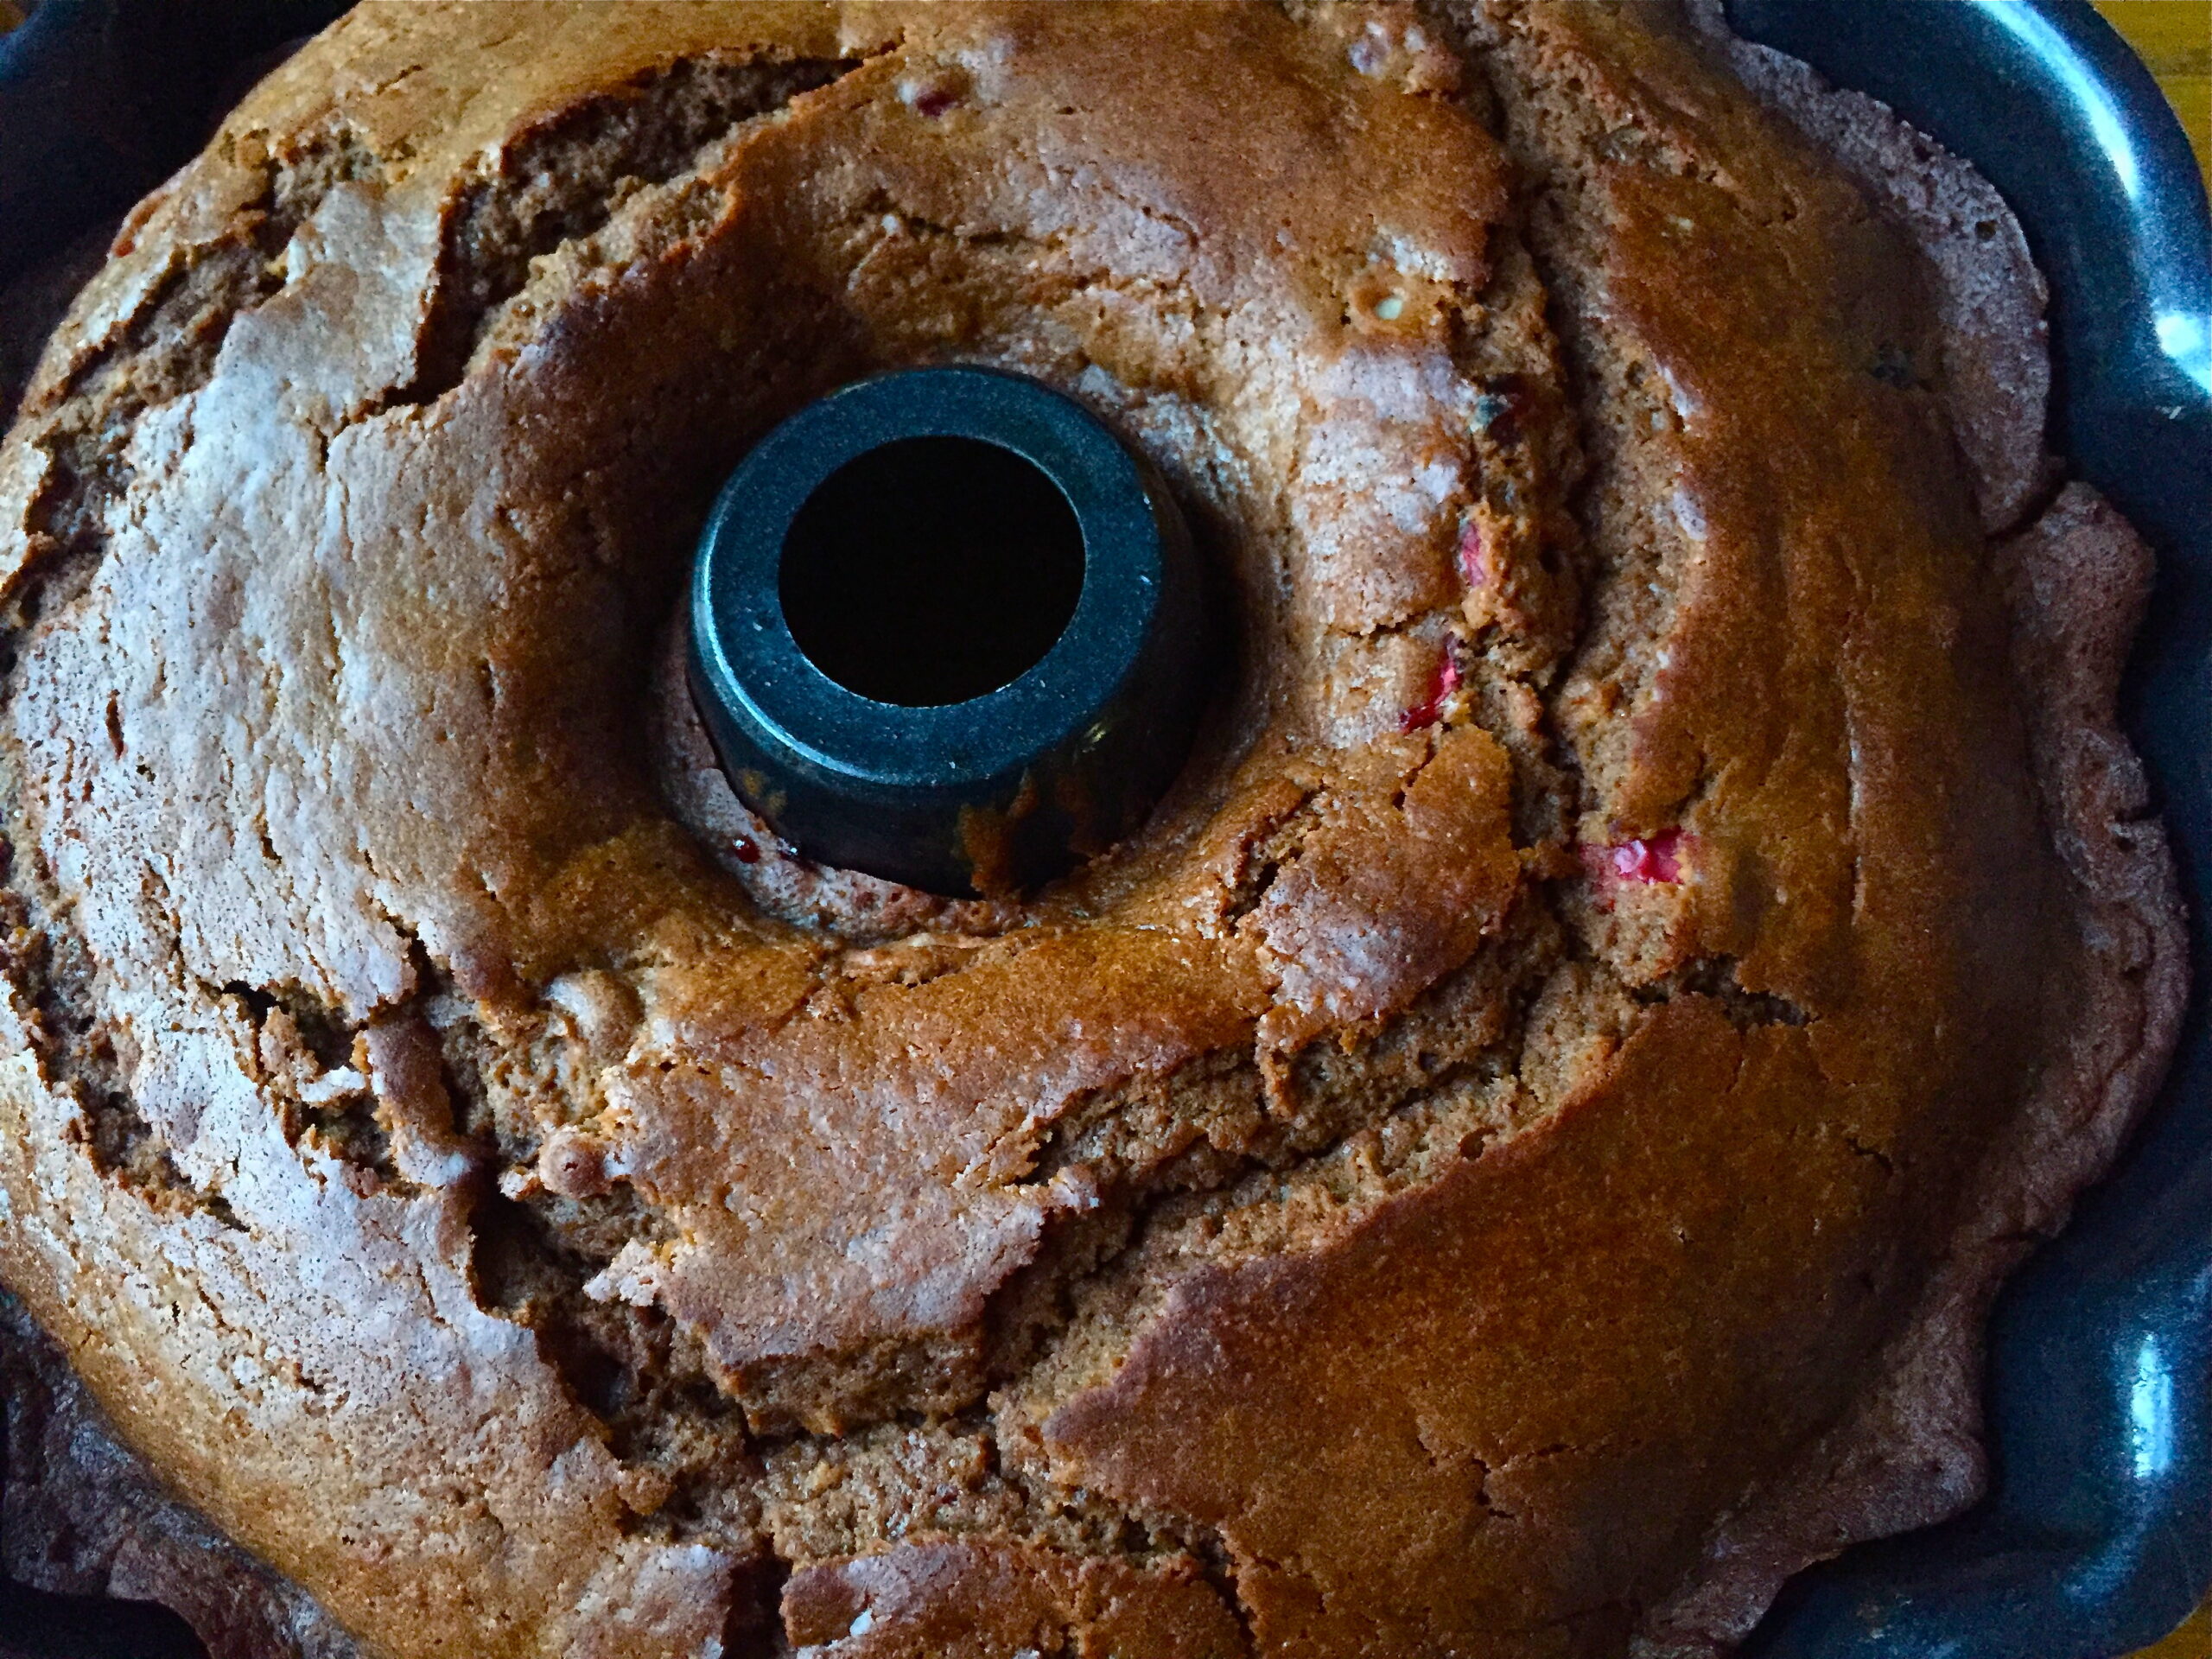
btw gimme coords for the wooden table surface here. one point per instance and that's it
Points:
(2175, 39)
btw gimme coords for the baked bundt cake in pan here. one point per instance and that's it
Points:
(1509, 1157)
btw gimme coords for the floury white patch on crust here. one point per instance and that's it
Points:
(1325, 1225)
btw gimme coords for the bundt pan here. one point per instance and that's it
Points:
(2097, 1535)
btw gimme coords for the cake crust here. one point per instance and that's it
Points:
(1570, 1050)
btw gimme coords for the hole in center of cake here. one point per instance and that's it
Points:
(930, 571)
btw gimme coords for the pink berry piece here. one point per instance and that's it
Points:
(1441, 685)
(1474, 556)
(1640, 862)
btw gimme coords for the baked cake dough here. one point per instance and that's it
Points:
(1512, 1161)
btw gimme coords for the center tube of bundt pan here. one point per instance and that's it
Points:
(945, 629)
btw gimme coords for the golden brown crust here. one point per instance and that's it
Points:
(1991, 366)
(1414, 1443)
(965, 1600)
(1355, 1216)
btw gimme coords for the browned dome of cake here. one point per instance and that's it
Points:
(1510, 1161)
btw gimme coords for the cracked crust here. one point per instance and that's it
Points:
(1512, 1161)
